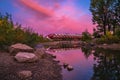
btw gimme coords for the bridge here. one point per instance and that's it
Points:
(64, 36)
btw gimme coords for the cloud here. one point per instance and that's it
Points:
(34, 6)
(54, 17)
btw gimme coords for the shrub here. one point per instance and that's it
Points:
(86, 36)
(108, 38)
(117, 32)
(10, 35)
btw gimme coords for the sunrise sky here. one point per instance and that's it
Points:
(50, 16)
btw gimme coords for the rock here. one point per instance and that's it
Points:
(93, 51)
(69, 68)
(65, 65)
(25, 74)
(54, 56)
(26, 57)
(20, 48)
(104, 44)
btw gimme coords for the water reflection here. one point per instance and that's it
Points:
(87, 51)
(89, 64)
(107, 66)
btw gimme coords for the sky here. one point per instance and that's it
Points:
(50, 16)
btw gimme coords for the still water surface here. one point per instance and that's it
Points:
(89, 64)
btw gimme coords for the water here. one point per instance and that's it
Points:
(89, 64)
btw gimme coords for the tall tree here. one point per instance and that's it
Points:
(105, 14)
(115, 20)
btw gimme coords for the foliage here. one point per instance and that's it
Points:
(96, 34)
(108, 38)
(105, 14)
(117, 32)
(86, 36)
(11, 35)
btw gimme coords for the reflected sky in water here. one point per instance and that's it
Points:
(89, 64)
(83, 67)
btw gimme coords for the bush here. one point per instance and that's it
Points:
(117, 33)
(10, 35)
(108, 38)
(86, 36)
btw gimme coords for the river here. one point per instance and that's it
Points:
(88, 64)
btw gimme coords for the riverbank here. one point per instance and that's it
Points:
(43, 69)
(114, 46)
(93, 45)
(72, 44)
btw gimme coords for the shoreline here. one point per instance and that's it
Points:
(114, 46)
(92, 44)
(46, 68)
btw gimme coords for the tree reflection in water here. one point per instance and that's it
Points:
(107, 66)
(87, 51)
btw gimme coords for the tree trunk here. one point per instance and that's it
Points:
(104, 29)
(104, 23)
(114, 30)
(109, 27)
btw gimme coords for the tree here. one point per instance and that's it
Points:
(115, 15)
(106, 14)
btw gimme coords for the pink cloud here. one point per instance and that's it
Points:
(60, 18)
(34, 6)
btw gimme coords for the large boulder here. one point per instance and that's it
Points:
(25, 74)
(20, 48)
(26, 57)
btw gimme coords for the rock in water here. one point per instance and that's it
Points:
(54, 56)
(25, 74)
(93, 51)
(20, 48)
(69, 68)
(26, 57)
(65, 65)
